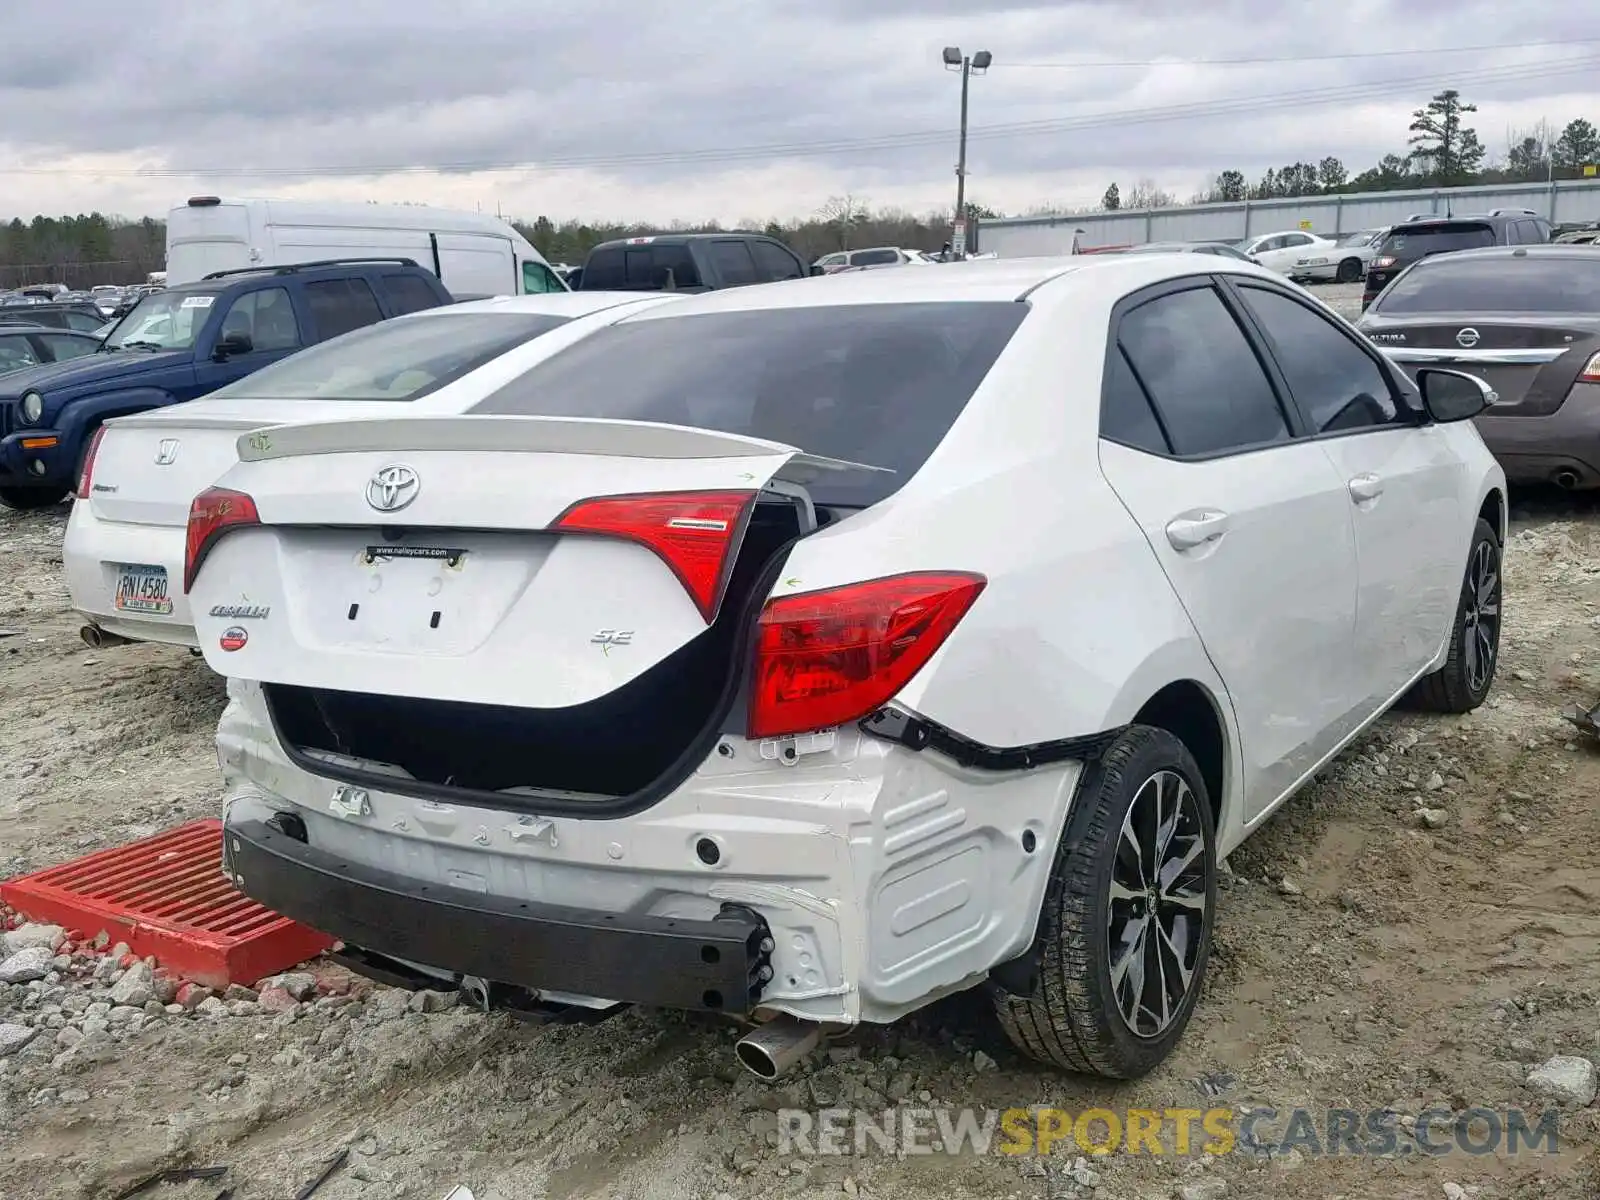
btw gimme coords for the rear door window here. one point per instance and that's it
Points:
(773, 262)
(734, 262)
(340, 305)
(407, 293)
(1334, 380)
(1209, 388)
(879, 384)
(605, 271)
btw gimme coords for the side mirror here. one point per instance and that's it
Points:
(1453, 395)
(816, 270)
(233, 343)
(575, 279)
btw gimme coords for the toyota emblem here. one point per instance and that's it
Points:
(1467, 339)
(392, 488)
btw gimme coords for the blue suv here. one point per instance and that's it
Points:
(179, 344)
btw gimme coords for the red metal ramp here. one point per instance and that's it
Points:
(167, 896)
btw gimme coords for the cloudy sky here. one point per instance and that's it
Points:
(654, 110)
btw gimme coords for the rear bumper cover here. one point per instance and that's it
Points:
(885, 876)
(713, 965)
(1538, 449)
(91, 553)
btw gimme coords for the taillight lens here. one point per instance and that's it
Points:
(827, 658)
(1591, 370)
(87, 476)
(212, 513)
(694, 533)
(1386, 260)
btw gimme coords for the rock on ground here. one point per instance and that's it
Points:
(1566, 1079)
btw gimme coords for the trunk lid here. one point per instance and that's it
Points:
(463, 592)
(1531, 363)
(152, 464)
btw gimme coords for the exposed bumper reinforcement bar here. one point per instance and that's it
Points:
(716, 965)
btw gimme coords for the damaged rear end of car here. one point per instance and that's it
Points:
(537, 705)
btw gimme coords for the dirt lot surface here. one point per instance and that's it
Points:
(1421, 928)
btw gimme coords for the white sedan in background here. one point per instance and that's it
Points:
(1346, 261)
(826, 647)
(124, 547)
(1281, 252)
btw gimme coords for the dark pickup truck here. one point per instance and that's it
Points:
(686, 262)
(182, 343)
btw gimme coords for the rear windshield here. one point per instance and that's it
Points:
(879, 384)
(1437, 239)
(1506, 285)
(402, 359)
(640, 268)
(874, 258)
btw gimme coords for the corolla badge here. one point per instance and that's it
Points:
(393, 487)
(1467, 339)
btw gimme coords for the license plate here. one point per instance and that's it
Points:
(143, 590)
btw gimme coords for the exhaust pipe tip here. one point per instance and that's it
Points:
(1568, 479)
(97, 638)
(772, 1050)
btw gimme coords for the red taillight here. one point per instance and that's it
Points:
(213, 513)
(1591, 370)
(694, 533)
(87, 475)
(826, 658)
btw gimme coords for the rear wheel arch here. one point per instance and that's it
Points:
(1493, 510)
(1190, 712)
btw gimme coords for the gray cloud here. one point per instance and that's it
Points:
(654, 93)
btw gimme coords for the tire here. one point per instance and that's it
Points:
(1066, 1011)
(1350, 270)
(1464, 682)
(26, 499)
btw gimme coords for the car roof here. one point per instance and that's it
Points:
(992, 280)
(649, 239)
(1567, 250)
(556, 304)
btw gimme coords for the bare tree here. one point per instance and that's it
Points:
(842, 214)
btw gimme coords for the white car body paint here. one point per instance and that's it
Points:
(887, 876)
(137, 512)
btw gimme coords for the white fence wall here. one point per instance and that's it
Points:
(1022, 237)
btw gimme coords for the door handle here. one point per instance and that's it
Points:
(1187, 532)
(1365, 487)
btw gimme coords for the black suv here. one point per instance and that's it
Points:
(686, 262)
(1412, 240)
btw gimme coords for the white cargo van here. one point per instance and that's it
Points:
(472, 254)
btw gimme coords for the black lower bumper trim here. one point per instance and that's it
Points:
(715, 965)
(919, 733)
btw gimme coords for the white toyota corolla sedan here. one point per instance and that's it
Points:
(814, 650)
(124, 547)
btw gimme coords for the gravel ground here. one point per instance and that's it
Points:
(1421, 927)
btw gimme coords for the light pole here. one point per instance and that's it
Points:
(954, 60)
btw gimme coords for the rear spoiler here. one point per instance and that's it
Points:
(154, 419)
(525, 435)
